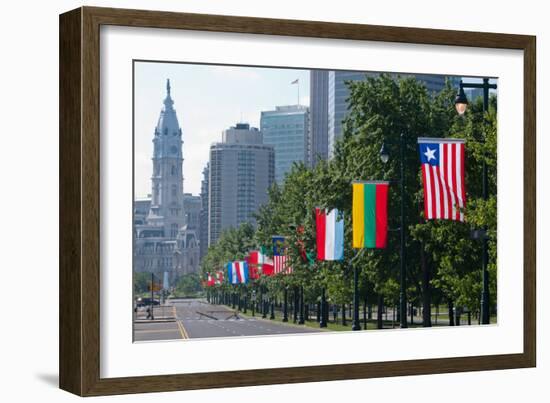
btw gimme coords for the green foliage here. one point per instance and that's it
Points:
(141, 282)
(188, 284)
(382, 110)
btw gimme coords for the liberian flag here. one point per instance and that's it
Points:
(237, 272)
(279, 255)
(443, 177)
(370, 214)
(330, 235)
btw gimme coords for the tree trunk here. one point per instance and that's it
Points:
(344, 323)
(379, 320)
(365, 312)
(426, 289)
(451, 313)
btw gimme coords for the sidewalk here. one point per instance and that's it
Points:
(161, 313)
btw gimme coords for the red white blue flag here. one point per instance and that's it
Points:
(330, 234)
(443, 177)
(237, 272)
(280, 259)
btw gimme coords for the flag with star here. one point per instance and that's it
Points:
(442, 163)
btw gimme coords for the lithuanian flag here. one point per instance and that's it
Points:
(370, 214)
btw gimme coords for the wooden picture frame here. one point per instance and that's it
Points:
(79, 317)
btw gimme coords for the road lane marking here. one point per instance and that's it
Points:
(156, 331)
(182, 330)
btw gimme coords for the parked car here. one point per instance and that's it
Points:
(145, 301)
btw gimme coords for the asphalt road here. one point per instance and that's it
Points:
(198, 319)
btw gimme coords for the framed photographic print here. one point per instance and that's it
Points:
(248, 201)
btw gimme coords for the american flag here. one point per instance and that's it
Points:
(443, 177)
(279, 256)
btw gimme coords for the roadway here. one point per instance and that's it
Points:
(195, 318)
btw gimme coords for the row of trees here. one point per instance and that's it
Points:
(443, 261)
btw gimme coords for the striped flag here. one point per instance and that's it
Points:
(279, 256)
(210, 281)
(330, 235)
(259, 262)
(370, 214)
(219, 277)
(237, 272)
(443, 177)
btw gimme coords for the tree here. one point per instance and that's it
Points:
(141, 282)
(189, 284)
(439, 254)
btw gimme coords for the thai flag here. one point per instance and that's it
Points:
(330, 235)
(237, 272)
(443, 177)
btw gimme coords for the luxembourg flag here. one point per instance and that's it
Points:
(330, 235)
(237, 272)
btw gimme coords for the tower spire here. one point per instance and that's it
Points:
(168, 100)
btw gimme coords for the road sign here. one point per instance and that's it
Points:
(156, 286)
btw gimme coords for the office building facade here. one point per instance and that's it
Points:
(241, 172)
(318, 117)
(287, 129)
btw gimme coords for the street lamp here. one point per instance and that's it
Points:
(384, 157)
(461, 103)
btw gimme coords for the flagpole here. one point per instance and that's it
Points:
(355, 322)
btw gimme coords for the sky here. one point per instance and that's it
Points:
(208, 99)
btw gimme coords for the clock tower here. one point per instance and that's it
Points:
(167, 181)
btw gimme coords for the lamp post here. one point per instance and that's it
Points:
(384, 157)
(285, 306)
(461, 104)
(324, 313)
(355, 325)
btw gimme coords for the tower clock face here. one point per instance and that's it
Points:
(173, 150)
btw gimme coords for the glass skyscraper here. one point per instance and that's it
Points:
(318, 122)
(286, 129)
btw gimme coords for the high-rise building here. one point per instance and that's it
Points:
(286, 129)
(192, 208)
(203, 219)
(241, 172)
(338, 94)
(164, 243)
(318, 118)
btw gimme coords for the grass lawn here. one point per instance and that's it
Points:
(332, 326)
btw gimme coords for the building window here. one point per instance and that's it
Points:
(174, 230)
(174, 191)
(173, 170)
